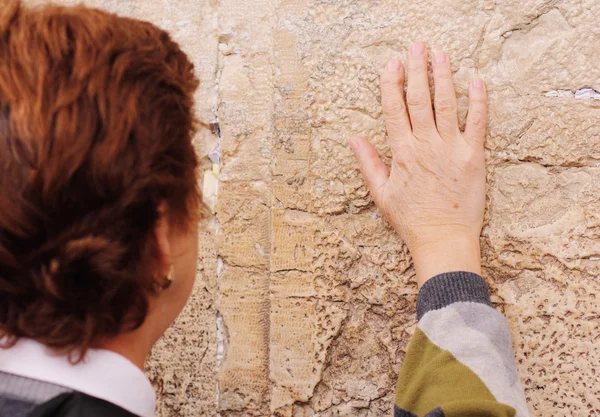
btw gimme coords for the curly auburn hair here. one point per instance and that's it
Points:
(96, 127)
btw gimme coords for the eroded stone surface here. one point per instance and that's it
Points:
(318, 62)
(315, 293)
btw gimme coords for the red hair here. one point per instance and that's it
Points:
(96, 127)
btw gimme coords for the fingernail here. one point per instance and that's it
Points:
(417, 49)
(354, 144)
(440, 57)
(477, 83)
(393, 65)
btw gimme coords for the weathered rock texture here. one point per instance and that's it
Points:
(312, 293)
(331, 286)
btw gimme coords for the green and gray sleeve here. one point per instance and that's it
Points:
(460, 361)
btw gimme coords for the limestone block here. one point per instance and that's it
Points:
(539, 243)
(243, 372)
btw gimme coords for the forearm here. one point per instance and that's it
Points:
(460, 359)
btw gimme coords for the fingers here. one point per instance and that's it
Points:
(418, 97)
(392, 102)
(446, 117)
(477, 117)
(374, 171)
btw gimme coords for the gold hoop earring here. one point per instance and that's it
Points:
(169, 278)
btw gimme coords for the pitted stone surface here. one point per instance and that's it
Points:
(321, 61)
(314, 293)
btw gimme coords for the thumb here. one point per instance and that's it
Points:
(374, 171)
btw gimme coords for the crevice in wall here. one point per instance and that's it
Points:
(587, 93)
(222, 334)
(583, 93)
(532, 23)
(586, 163)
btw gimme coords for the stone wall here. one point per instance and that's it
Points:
(305, 300)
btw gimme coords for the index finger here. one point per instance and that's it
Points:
(392, 103)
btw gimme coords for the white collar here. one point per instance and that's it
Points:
(102, 374)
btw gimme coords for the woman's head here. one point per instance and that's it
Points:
(98, 194)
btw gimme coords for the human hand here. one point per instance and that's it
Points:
(434, 192)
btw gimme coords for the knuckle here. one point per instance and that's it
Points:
(417, 99)
(444, 76)
(392, 106)
(478, 99)
(417, 66)
(445, 105)
(478, 119)
(390, 79)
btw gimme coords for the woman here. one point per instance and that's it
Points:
(98, 207)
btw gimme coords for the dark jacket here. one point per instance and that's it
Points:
(76, 404)
(26, 397)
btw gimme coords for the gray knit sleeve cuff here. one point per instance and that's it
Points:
(451, 287)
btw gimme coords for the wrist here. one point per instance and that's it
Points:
(450, 253)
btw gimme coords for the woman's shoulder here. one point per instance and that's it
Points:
(77, 404)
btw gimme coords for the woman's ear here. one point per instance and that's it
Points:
(162, 234)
